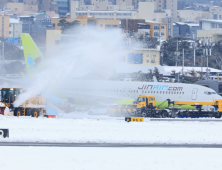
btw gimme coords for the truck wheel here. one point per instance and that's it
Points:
(218, 115)
(35, 113)
(165, 114)
(143, 114)
(18, 113)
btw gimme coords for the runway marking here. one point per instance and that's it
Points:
(161, 145)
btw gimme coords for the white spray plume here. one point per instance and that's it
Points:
(89, 49)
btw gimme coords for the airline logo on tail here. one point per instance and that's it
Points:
(33, 56)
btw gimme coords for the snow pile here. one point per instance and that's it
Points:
(109, 131)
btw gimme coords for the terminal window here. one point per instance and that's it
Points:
(135, 58)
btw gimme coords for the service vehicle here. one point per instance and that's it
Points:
(199, 112)
(34, 106)
(146, 107)
(113, 109)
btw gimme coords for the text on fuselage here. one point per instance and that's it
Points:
(160, 87)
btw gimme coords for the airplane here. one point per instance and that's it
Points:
(123, 91)
(127, 92)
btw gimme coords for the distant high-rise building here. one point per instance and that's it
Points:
(4, 26)
(167, 4)
(2, 2)
(48, 5)
(63, 7)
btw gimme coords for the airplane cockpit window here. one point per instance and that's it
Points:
(209, 93)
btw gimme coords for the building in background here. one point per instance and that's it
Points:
(215, 12)
(154, 29)
(130, 26)
(63, 7)
(210, 29)
(41, 24)
(147, 57)
(146, 10)
(193, 16)
(167, 4)
(20, 7)
(188, 30)
(84, 20)
(4, 26)
(15, 28)
(210, 24)
(27, 24)
(2, 3)
(107, 24)
(109, 15)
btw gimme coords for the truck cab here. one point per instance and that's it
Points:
(8, 95)
(145, 101)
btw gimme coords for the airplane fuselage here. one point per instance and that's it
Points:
(131, 90)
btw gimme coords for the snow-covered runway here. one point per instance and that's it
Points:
(109, 130)
(56, 158)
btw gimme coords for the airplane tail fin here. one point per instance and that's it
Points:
(33, 57)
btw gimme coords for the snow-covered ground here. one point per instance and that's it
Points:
(103, 129)
(56, 158)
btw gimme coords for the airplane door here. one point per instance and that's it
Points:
(194, 94)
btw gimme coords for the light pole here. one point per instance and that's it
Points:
(194, 53)
(206, 53)
(183, 61)
(3, 50)
(177, 53)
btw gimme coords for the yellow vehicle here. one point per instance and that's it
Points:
(32, 107)
(113, 110)
(145, 101)
(131, 108)
(146, 107)
(128, 109)
(121, 108)
(216, 112)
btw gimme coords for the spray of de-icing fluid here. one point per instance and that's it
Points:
(87, 50)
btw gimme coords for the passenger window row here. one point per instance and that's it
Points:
(123, 91)
(103, 90)
(162, 92)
